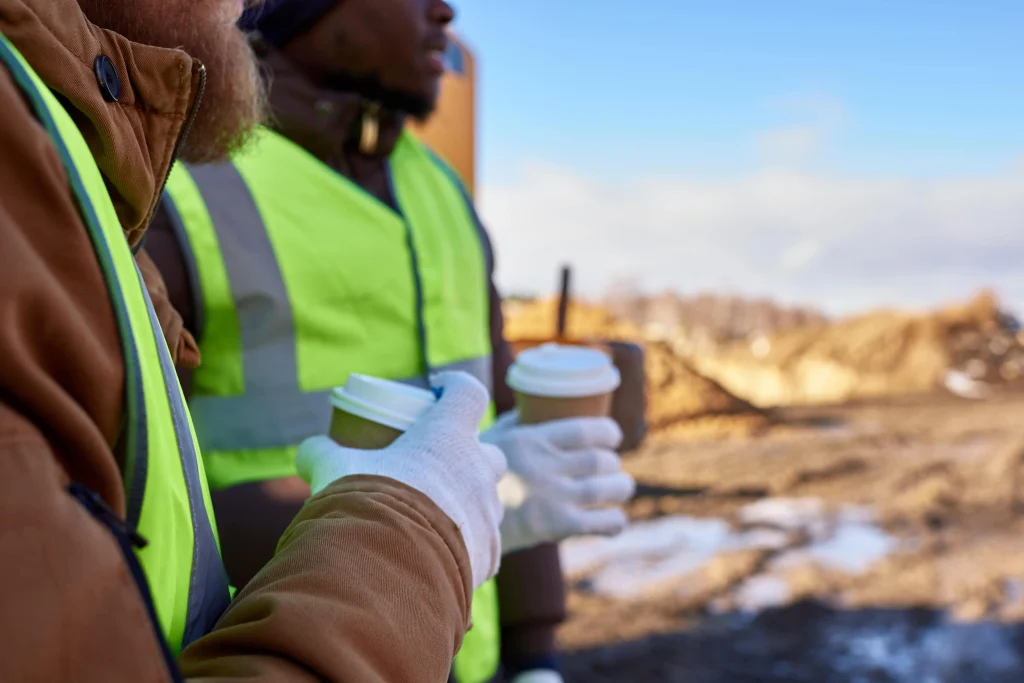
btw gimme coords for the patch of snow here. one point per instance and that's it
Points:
(852, 548)
(760, 539)
(856, 514)
(785, 513)
(762, 592)
(653, 555)
(962, 384)
(655, 539)
(632, 579)
(650, 554)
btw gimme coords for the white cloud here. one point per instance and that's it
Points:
(817, 118)
(800, 254)
(792, 142)
(841, 241)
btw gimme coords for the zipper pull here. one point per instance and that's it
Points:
(103, 512)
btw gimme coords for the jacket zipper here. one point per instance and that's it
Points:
(128, 538)
(187, 128)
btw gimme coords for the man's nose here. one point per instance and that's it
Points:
(441, 12)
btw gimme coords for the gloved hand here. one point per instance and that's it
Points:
(538, 676)
(562, 476)
(441, 456)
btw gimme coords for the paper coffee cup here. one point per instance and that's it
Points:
(370, 413)
(553, 382)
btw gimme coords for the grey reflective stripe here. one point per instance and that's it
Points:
(273, 412)
(259, 420)
(208, 594)
(265, 319)
(285, 418)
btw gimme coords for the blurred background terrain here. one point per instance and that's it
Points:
(819, 499)
(811, 217)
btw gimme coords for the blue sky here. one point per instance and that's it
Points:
(620, 93)
(624, 87)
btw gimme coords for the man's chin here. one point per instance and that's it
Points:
(233, 104)
(423, 114)
(417, 106)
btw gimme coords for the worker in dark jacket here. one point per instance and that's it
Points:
(338, 243)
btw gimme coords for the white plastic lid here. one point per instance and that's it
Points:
(388, 403)
(559, 371)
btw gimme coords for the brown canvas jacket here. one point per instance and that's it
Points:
(371, 581)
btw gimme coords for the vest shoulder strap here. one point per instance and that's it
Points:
(158, 436)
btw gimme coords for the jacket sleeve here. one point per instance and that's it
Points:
(70, 607)
(365, 560)
(370, 584)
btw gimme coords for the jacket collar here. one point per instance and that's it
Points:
(133, 140)
(329, 124)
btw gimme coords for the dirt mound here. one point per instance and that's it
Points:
(878, 354)
(679, 398)
(966, 348)
(886, 353)
(676, 393)
(983, 341)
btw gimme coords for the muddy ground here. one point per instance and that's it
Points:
(880, 541)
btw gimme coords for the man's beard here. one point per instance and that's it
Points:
(415, 105)
(233, 101)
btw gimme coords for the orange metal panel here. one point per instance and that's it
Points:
(451, 131)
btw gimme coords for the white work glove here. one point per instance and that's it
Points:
(563, 477)
(441, 456)
(538, 676)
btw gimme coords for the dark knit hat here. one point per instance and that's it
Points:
(278, 21)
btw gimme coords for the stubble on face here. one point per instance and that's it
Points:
(375, 48)
(233, 101)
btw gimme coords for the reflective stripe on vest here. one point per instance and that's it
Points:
(166, 494)
(303, 278)
(292, 300)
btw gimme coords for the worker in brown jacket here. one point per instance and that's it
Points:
(372, 580)
(332, 217)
